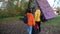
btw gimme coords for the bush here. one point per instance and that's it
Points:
(13, 10)
(7, 13)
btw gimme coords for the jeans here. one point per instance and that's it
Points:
(29, 29)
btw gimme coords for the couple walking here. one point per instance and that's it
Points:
(33, 21)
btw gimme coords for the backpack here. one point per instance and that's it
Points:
(25, 19)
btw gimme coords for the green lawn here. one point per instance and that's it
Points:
(49, 22)
(53, 23)
(11, 18)
(54, 20)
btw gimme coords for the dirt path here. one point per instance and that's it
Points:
(18, 27)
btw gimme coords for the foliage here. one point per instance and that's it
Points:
(12, 10)
(58, 10)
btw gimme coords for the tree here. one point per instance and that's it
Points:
(58, 9)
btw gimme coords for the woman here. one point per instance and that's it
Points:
(37, 18)
(37, 15)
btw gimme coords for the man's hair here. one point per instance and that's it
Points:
(28, 11)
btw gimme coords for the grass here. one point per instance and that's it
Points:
(53, 23)
(54, 20)
(11, 18)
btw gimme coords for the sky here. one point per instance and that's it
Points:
(0, 4)
(51, 2)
